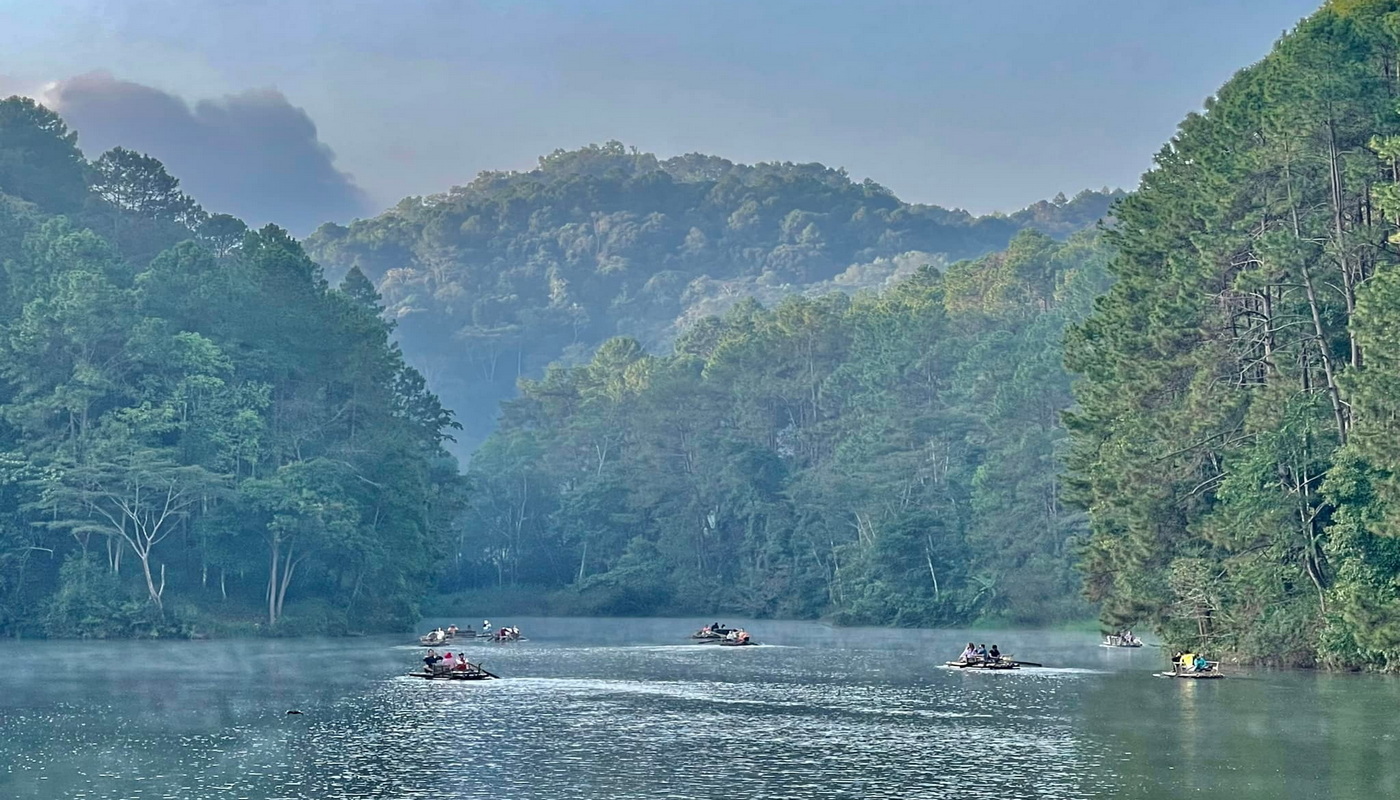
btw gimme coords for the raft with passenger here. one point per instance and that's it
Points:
(711, 632)
(450, 667)
(1124, 639)
(734, 638)
(979, 656)
(506, 636)
(441, 636)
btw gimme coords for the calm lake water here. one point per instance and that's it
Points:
(613, 709)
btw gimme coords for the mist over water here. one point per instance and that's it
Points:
(630, 709)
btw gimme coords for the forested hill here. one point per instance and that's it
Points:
(196, 432)
(494, 280)
(891, 458)
(1238, 436)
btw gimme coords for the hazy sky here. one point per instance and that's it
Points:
(983, 105)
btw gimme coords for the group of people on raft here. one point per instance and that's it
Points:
(441, 635)
(979, 654)
(1123, 638)
(1191, 662)
(433, 662)
(504, 634)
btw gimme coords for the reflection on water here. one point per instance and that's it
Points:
(626, 709)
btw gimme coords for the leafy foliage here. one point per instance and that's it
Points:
(886, 459)
(195, 428)
(1234, 441)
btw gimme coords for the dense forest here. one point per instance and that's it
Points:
(699, 385)
(493, 281)
(888, 458)
(201, 435)
(1237, 435)
(197, 433)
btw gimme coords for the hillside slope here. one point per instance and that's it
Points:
(492, 281)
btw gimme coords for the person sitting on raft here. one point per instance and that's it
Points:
(449, 661)
(462, 663)
(982, 652)
(743, 636)
(1200, 664)
(430, 660)
(970, 654)
(994, 654)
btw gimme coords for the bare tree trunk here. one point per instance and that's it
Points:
(1339, 233)
(1333, 393)
(155, 593)
(289, 566)
(272, 583)
(928, 556)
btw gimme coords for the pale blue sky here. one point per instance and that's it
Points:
(984, 105)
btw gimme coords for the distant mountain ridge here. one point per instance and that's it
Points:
(494, 280)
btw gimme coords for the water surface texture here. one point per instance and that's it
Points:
(613, 709)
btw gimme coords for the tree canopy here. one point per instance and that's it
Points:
(890, 458)
(495, 280)
(196, 429)
(1234, 440)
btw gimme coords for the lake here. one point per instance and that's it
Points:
(614, 709)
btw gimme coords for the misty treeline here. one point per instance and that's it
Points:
(196, 430)
(888, 458)
(1237, 439)
(494, 280)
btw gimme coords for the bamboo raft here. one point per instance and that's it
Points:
(993, 665)
(1211, 674)
(710, 634)
(444, 674)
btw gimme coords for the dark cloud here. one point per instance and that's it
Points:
(253, 154)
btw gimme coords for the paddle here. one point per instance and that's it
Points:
(483, 671)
